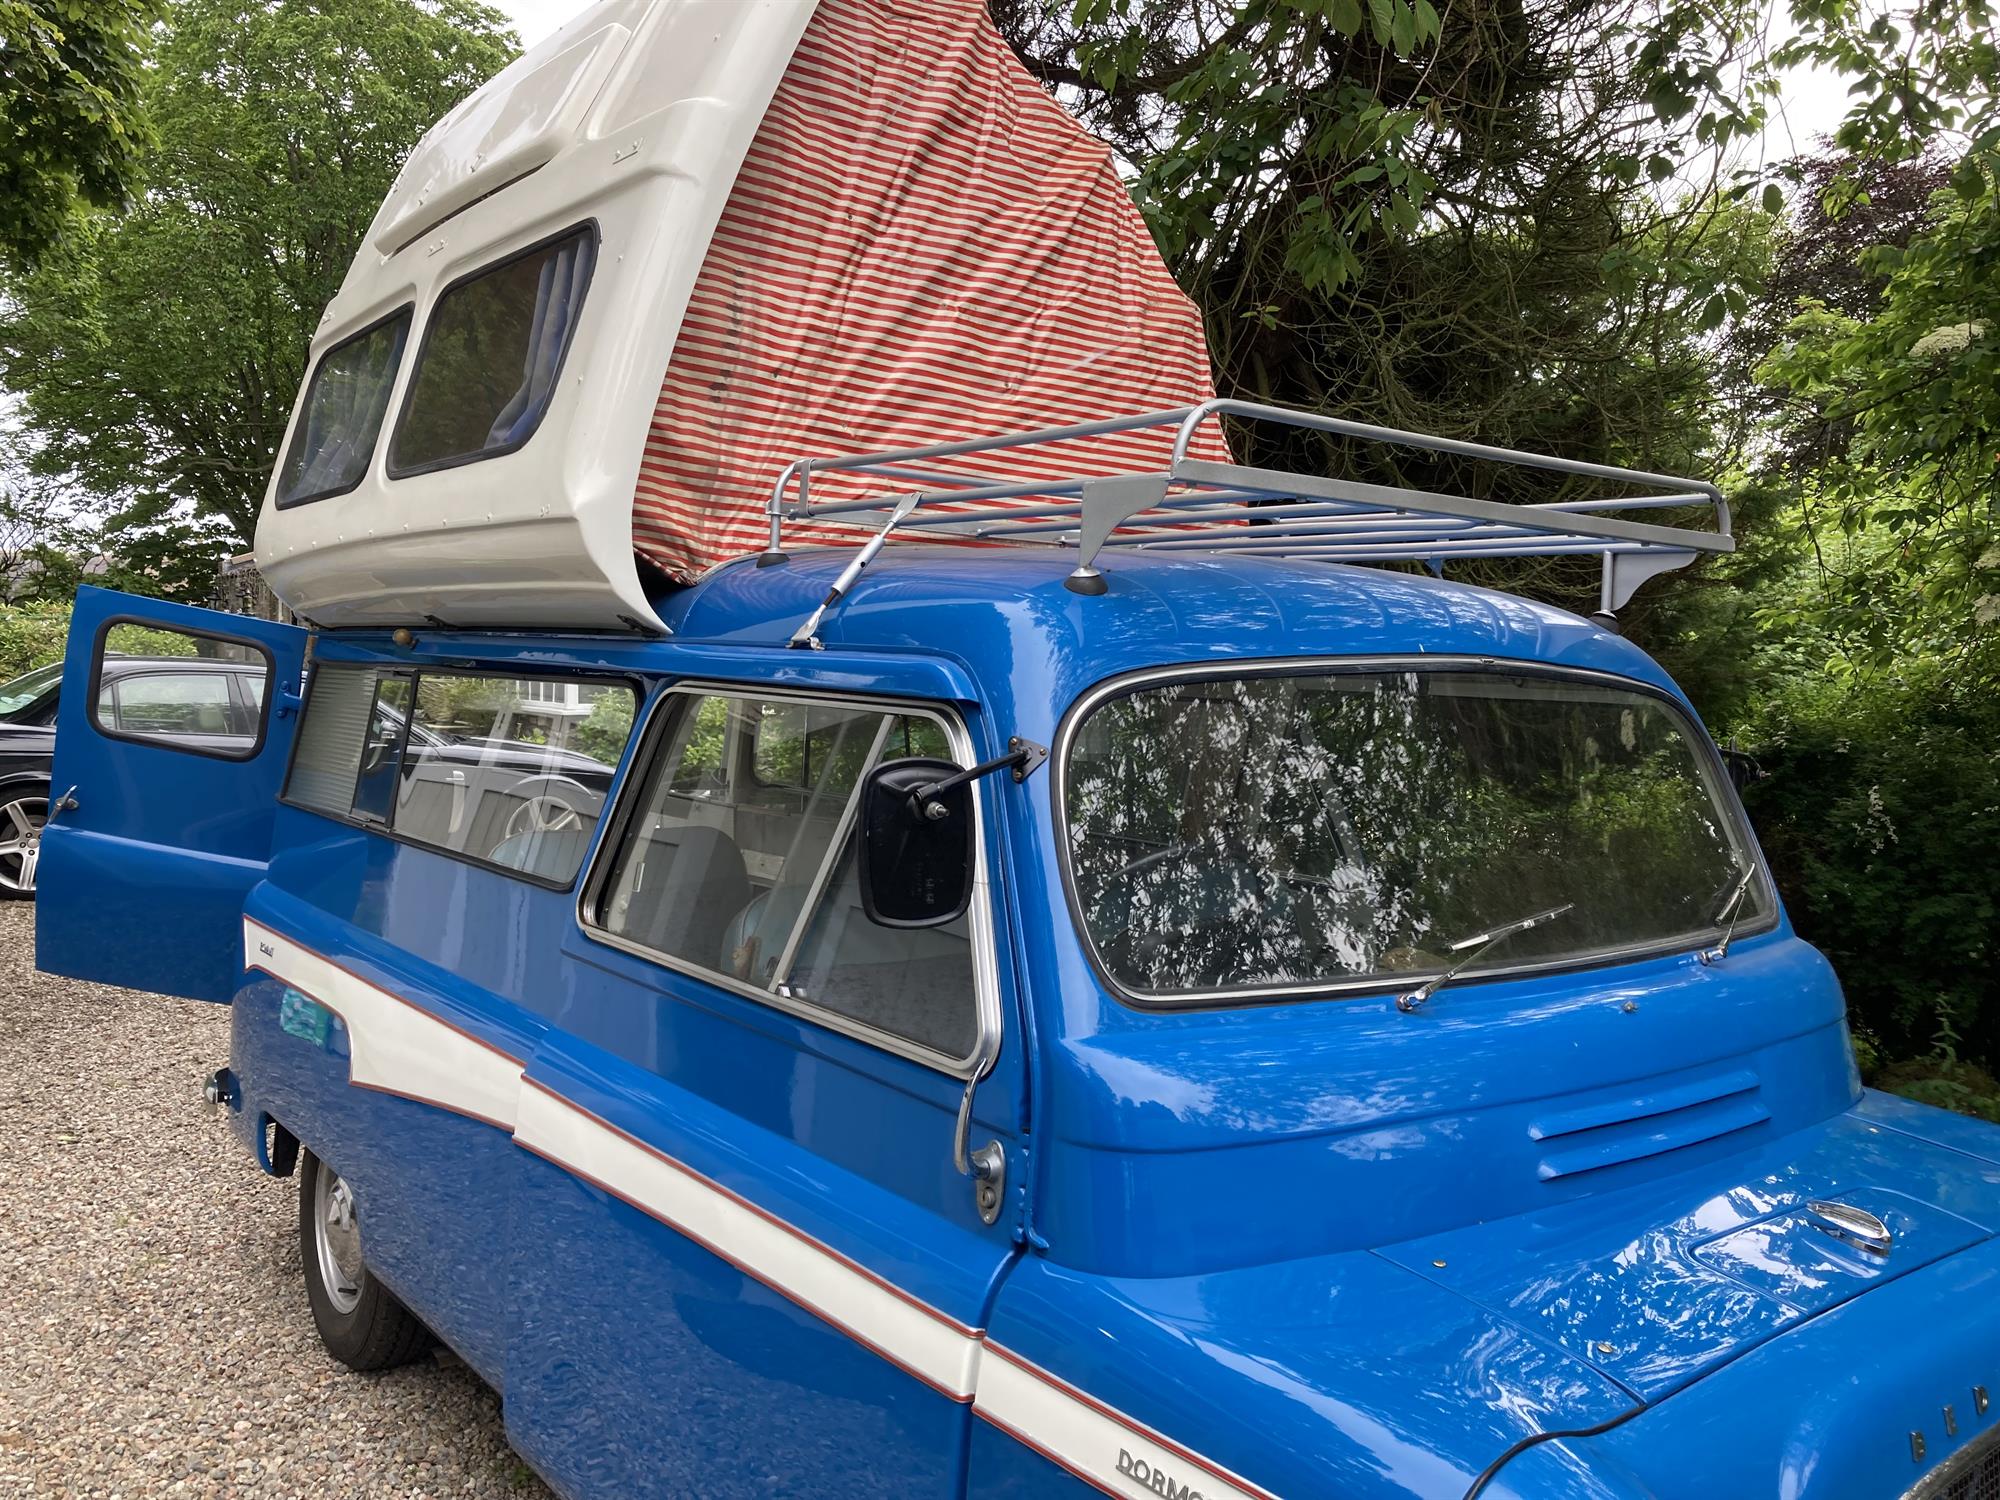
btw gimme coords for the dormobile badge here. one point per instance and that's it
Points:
(1154, 1478)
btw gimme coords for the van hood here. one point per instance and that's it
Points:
(1658, 1285)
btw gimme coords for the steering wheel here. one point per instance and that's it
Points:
(541, 812)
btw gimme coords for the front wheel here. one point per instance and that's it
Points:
(359, 1319)
(23, 813)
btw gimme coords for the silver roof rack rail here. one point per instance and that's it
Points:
(1190, 503)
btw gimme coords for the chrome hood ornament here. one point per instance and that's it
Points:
(1856, 1226)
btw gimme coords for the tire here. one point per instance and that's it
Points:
(359, 1319)
(23, 812)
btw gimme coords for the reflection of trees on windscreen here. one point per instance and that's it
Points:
(1292, 829)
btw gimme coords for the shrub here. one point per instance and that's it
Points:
(31, 635)
(1880, 810)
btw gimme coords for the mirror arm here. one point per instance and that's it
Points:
(1025, 756)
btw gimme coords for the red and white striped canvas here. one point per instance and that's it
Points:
(921, 246)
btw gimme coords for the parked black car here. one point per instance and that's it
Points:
(206, 703)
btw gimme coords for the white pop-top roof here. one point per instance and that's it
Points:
(634, 117)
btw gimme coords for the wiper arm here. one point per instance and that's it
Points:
(1478, 943)
(1729, 914)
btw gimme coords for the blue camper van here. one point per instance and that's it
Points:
(1151, 1004)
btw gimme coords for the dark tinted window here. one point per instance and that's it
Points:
(344, 408)
(490, 357)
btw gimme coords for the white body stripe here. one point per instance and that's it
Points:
(1118, 1454)
(402, 1049)
(924, 1342)
(395, 1046)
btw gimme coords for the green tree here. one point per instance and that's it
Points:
(70, 124)
(157, 355)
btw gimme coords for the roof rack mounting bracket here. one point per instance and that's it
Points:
(1106, 505)
(1625, 571)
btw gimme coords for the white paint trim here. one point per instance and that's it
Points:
(402, 1049)
(1118, 1454)
(393, 1045)
(936, 1349)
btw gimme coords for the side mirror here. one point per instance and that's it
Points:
(916, 843)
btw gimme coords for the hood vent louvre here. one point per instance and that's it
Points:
(1613, 1132)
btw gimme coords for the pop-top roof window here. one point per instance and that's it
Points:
(344, 407)
(490, 357)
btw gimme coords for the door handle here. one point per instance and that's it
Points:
(65, 803)
(987, 1167)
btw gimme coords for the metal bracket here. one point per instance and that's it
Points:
(1032, 757)
(1106, 505)
(807, 635)
(1625, 571)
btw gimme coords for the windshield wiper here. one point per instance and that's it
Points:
(1728, 915)
(1479, 942)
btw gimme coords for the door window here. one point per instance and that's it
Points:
(737, 861)
(197, 693)
(505, 771)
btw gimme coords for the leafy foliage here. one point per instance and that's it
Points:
(1880, 810)
(157, 354)
(70, 126)
(31, 635)
(1471, 222)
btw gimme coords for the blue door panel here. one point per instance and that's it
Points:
(142, 881)
(952, 1268)
(853, 1107)
(656, 1368)
(621, 1315)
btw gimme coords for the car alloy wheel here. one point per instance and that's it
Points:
(21, 822)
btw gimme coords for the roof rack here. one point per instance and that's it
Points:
(1190, 503)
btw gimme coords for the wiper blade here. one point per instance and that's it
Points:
(1478, 943)
(1728, 914)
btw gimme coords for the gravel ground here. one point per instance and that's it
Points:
(155, 1338)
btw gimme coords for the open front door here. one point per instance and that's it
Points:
(173, 729)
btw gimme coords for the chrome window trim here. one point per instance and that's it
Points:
(1131, 682)
(649, 739)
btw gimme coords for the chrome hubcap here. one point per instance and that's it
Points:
(337, 1238)
(21, 823)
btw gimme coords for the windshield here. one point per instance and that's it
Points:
(25, 689)
(1293, 832)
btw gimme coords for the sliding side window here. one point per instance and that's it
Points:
(737, 861)
(506, 771)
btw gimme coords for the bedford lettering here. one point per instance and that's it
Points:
(1154, 1479)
